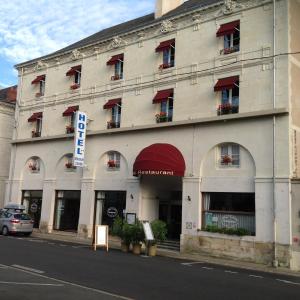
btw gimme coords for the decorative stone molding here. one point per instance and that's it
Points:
(196, 21)
(40, 65)
(166, 26)
(116, 43)
(76, 55)
(229, 6)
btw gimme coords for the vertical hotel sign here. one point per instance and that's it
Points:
(79, 142)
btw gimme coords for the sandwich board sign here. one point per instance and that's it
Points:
(148, 231)
(79, 139)
(101, 236)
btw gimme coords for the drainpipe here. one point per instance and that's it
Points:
(275, 261)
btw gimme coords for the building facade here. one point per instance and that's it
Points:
(7, 110)
(188, 122)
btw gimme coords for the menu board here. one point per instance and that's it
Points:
(101, 236)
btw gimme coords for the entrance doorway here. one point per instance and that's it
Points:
(108, 206)
(32, 200)
(67, 206)
(170, 212)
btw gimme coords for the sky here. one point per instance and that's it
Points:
(33, 28)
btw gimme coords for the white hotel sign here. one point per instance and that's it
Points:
(79, 142)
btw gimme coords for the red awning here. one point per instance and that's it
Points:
(165, 45)
(114, 59)
(228, 28)
(226, 83)
(159, 159)
(162, 96)
(111, 103)
(35, 116)
(38, 79)
(73, 71)
(70, 110)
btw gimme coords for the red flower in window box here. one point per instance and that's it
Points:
(111, 164)
(39, 95)
(226, 159)
(164, 66)
(116, 77)
(69, 165)
(69, 129)
(35, 133)
(75, 86)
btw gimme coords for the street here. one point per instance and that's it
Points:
(32, 268)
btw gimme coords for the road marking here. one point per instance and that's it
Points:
(62, 245)
(207, 268)
(31, 283)
(73, 284)
(28, 269)
(255, 276)
(36, 240)
(231, 272)
(189, 264)
(287, 281)
(75, 247)
(51, 243)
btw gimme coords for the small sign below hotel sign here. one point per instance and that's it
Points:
(79, 139)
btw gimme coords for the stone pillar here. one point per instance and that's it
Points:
(87, 204)
(191, 205)
(133, 197)
(48, 204)
(13, 191)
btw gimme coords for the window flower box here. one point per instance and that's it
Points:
(225, 109)
(116, 77)
(113, 124)
(69, 165)
(230, 50)
(112, 164)
(165, 66)
(35, 134)
(75, 86)
(38, 95)
(162, 117)
(69, 129)
(226, 159)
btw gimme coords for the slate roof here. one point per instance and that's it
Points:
(9, 95)
(131, 25)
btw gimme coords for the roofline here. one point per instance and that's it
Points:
(155, 22)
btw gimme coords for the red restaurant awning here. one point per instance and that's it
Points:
(159, 159)
(73, 70)
(38, 79)
(228, 28)
(162, 96)
(114, 59)
(35, 116)
(70, 110)
(111, 103)
(165, 45)
(226, 83)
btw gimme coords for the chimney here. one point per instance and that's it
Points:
(164, 6)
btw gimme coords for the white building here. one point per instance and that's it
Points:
(188, 122)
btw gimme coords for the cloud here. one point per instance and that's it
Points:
(30, 28)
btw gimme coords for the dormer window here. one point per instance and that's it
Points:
(165, 100)
(75, 72)
(118, 62)
(40, 81)
(115, 106)
(230, 32)
(167, 48)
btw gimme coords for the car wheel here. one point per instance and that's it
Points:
(5, 230)
(27, 233)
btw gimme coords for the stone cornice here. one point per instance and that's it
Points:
(162, 126)
(179, 22)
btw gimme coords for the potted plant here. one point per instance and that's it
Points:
(159, 229)
(74, 86)
(121, 229)
(226, 160)
(161, 117)
(69, 129)
(137, 237)
(111, 163)
(69, 165)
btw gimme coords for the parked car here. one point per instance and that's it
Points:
(15, 222)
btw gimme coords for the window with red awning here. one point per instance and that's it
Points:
(226, 83)
(74, 70)
(70, 110)
(111, 103)
(35, 117)
(165, 45)
(114, 59)
(38, 79)
(162, 96)
(228, 28)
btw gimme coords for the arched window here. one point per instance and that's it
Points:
(113, 160)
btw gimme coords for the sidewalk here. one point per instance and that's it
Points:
(114, 243)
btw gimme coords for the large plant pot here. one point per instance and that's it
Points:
(136, 249)
(124, 247)
(152, 249)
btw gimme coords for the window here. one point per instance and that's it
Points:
(113, 160)
(230, 32)
(42, 88)
(69, 163)
(75, 72)
(165, 100)
(118, 62)
(115, 106)
(168, 54)
(40, 80)
(234, 211)
(36, 119)
(229, 155)
(70, 113)
(77, 78)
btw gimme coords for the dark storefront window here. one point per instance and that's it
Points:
(32, 200)
(66, 215)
